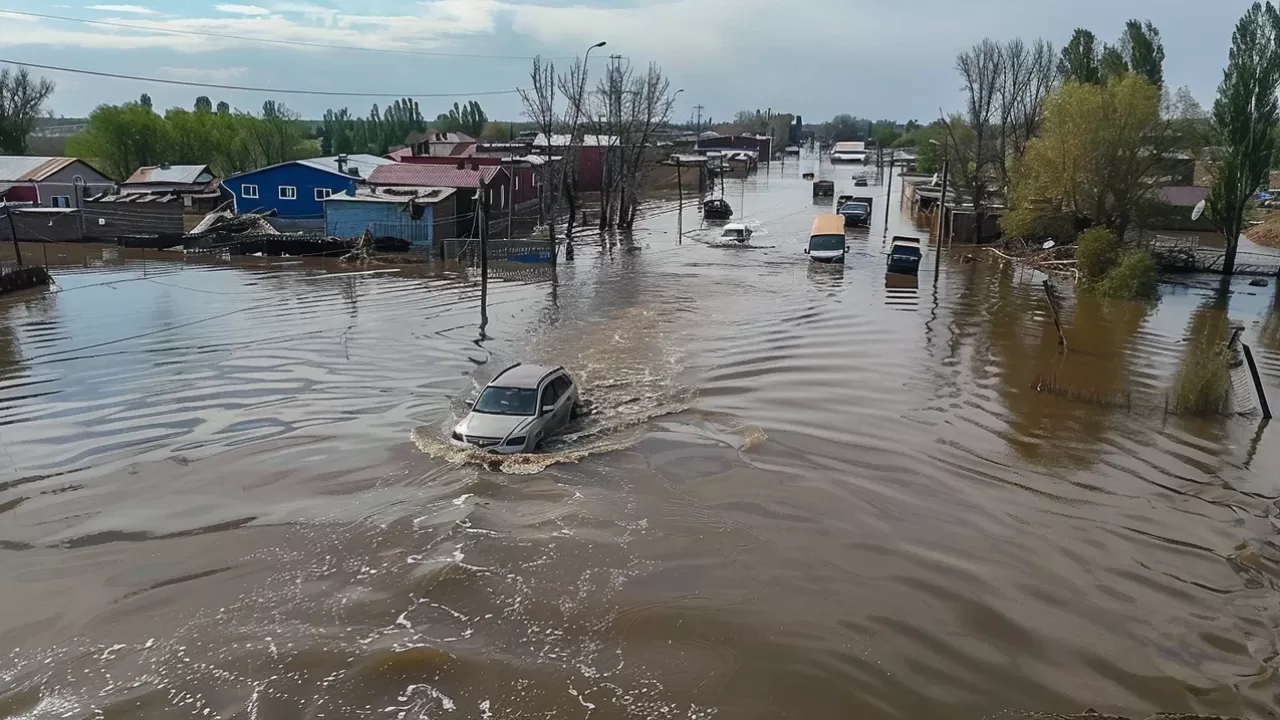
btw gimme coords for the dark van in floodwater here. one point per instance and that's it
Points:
(904, 255)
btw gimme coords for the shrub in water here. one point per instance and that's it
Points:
(1203, 384)
(1134, 277)
(1097, 251)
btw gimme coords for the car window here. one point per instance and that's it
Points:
(505, 401)
(550, 395)
(562, 384)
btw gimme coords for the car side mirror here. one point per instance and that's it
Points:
(806, 251)
(548, 409)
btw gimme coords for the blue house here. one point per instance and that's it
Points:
(418, 215)
(297, 190)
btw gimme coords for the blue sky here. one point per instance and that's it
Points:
(816, 58)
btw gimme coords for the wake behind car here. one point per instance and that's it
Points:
(519, 409)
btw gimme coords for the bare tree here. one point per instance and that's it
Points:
(648, 107)
(540, 107)
(1027, 76)
(573, 85)
(981, 67)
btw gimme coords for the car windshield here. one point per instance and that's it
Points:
(854, 207)
(826, 243)
(507, 401)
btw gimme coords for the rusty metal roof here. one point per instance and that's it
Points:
(20, 168)
(447, 176)
(171, 175)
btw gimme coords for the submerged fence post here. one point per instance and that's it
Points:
(1053, 307)
(1257, 382)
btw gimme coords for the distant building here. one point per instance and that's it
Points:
(441, 144)
(161, 201)
(49, 182)
(418, 215)
(522, 187)
(296, 190)
(591, 152)
(762, 145)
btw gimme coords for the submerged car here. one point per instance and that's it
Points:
(856, 213)
(519, 409)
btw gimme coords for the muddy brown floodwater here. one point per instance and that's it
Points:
(802, 491)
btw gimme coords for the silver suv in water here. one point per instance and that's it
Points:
(518, 409)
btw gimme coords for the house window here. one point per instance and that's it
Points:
(288, 192)
(323, 194)
(249, 192)
(60, 201)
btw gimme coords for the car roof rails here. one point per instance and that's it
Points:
(506, 370)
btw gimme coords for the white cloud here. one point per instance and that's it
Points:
(132, 9)
(206, 75)
(242, 9)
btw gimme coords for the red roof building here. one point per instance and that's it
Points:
(465, 176)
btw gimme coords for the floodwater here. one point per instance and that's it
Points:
(801, 492)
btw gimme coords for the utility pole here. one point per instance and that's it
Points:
(888, 195)
(511, 198)
(13, 231)
(680, 216)
(699, 108)
(484, 259)
(942, 214)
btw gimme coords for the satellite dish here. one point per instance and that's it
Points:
(1048, 245)
(1195, 214)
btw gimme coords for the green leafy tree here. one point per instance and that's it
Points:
(1245, 117)
(204, 104)
(1111, 64)
(224, 108)
(1095, 163)
(467, 119)
(123, 138)
(1145, 54)
(22, 99)
(1080, 62)
(145, 101)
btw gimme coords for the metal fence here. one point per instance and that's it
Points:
(530, 252)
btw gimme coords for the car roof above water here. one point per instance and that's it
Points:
(524, 376)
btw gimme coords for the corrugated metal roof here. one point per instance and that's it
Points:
(20, 168)
(587, 141)
(396, 195)
(448, 176)
(366, 164)
(173, 174)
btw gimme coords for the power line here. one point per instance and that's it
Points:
(268, 91)
(272, 41)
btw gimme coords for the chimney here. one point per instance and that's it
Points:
(462, 164)
(342, 163)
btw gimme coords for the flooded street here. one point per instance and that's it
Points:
(802, 491)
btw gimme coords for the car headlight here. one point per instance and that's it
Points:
(517, 441)
(457, 436)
